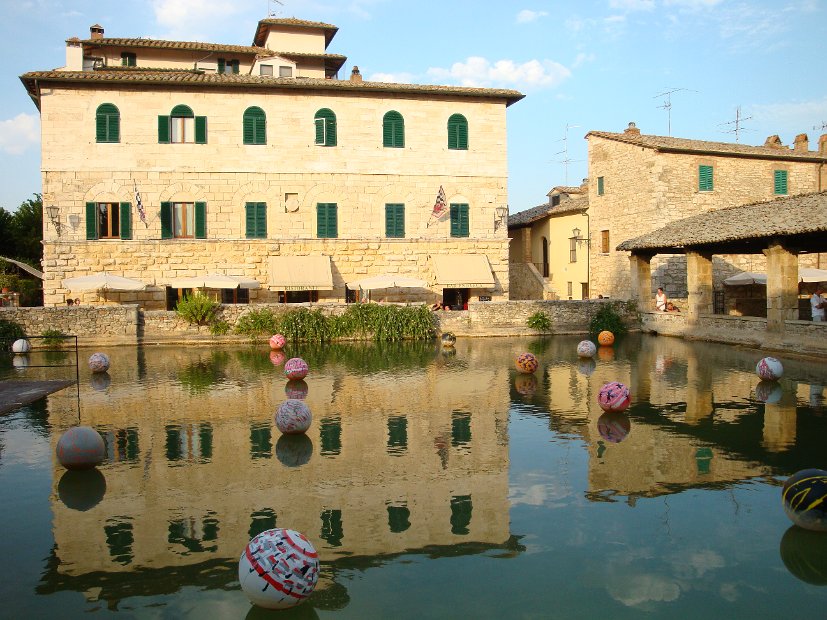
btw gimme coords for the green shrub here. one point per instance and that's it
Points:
(9, 332)
(52, 337)
(609, 318)
(539, 321)
(219, 328)
(197, 309)
(254, 323)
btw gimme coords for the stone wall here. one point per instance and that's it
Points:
(92, 324)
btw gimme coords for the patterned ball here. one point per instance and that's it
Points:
(586, 367)
(278, 569)
(606, 338)
(81, 447)
(525, 384)
(804, 553)
(296, 368)
(296, 389)
(277, 358)
(768, 392)
(99, 362)
(805, 499)
(21, 346)
(586, 348)
(614, 397)
(614, 427)
(448, 339)
(769, 369)
(277, 342)
(294, 450)
(526, 363)
(293, 417)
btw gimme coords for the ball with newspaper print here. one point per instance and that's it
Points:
(293, 417)
(99, 362)
(769, 369)
(295, 368)
(586, 348)
(277, 342)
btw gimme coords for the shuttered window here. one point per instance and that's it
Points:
(780, 182)
(395, 220)
(228, 66)
(705, 182)
(325, 121)
(107, 123)
(326, 220)
(108, 220)
(256, 220)
(255, 126)
(393, 130)
(458, 132)
(182, 126)
(128, 59)
(183, 220)
(126, 220)
(459, 220)
(601, 188)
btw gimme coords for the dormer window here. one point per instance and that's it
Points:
(129, 59)
(228, 66)
(285, 71)
(266, 70)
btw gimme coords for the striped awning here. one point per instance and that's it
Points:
(462, 271)
(300, 273)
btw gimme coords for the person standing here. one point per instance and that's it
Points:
(818, 304)
(660, 300)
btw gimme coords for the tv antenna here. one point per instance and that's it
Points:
(272, 11)
(822, 128)
(667, 103)
(737, 122)
(565, 153)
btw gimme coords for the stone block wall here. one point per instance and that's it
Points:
(94, 324)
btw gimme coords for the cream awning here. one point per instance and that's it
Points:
(215, 280)
(462, 271)
(300, 273)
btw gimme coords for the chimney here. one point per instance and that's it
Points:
(822, 145)
(355, 76)
(96, 31)
(632, 130)
(584, 186)
(802, 143)
(773, 142)
(74, 55)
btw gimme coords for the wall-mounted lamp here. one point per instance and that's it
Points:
(74, 221)
(53, 212)
(501, 218)
(575, 234)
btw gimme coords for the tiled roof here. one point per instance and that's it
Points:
(565, 189)
(529, 216)
(793, 215)
(330, 29)
(332, 61)
(178, 45)
(210, 80)
(683, 145)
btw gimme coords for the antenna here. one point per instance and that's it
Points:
(271, 11)
(667, 104)
(565, 153)
(822, 128)
(737, 122)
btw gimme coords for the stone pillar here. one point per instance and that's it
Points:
(699, 283)
(526, 242)
(782, 286)
(641, 271)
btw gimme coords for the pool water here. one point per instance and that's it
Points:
(434, 483)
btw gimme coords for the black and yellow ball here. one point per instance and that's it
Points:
(804, 553)
(805, 499)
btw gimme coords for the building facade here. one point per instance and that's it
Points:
(165, 161)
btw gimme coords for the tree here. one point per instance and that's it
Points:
(7, 240)
(27, 231)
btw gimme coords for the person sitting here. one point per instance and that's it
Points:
(70, 302)
(435, 306)
(670, 307)
(660, 300)
(818, 304)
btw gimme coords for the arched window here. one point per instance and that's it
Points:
(255, 126)
(182, 126)
(325, 121)
(107, 123)
(458, 132)
(393, 130)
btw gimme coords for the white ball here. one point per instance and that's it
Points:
(293, 417)
(769, 369)
(586, 348)
(278, 569)
(99, 362)
(21, 346)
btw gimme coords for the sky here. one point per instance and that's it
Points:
(583, 65)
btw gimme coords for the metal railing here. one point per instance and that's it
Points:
(51, 342)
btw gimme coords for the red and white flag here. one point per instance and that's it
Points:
(441, 204)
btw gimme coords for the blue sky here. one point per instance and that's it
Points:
(585, 64)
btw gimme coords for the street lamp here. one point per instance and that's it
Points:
(501, 218)
(53, 211)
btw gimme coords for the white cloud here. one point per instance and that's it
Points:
(396, 78)
(191, 19)
(692, 5)
(635, 590)
(480, 72)
(19, 133)
(792, 117)
(527, 16)
(632, 5)
(581, 59)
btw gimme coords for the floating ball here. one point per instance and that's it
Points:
(21, 346)
(296, 368)
(293, 417)
(277, 342)
(81, 447)
(804, 553)
(448, 339)
(606, 338)
(278, 569)
(614, 397)
(449, 351)
(100, 381)
(296, 389)
(769, 369)
(277, 358)
(526, 363)
(768, 392)
(20, 362)
(586, 348)
(614, 427)
(586, 367)
(294, 450)
(81, 490)
(805, 499)
(99, 362)
(525, 384)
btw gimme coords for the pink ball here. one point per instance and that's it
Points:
(277, 342)
(296, 389)
(613, 427)
(277, 358)
(293, 417)
(296, 368)
(614, 397)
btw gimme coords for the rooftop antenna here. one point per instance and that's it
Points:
(565, 153)
(822, 128)
(737, 122)
(667, 104)
(271, 10)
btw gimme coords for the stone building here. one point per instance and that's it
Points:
(640, 183)
(167, 160)
(548, 256)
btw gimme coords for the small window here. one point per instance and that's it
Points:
(325, 121)
(298, 297)
(572, 251)
(285, 72)
(182, 126)
(395, 220)
(235, 296)
(604, 241)
(266, 70)
(107, 123)
(780, 182)
(393, 130)
(108, 220)
(254, 126)
(705, 180)
(459, 220)
(569, 289)
(183, 220)
(228, 66)
(326, 220)
(457, 132)
(555, 200)
(129, 59)
(600, 186)
(256, 220)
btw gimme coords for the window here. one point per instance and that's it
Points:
(458, 132)
(459, 220)
(325, 121)
(600, 186)
(705, 183)
(326, 220)
(555, 200)
(128, 59)
(265, 70)
(393, 130)
(572, 250)
(256, 220)
(285, 71)
(395, 220)
(604, 241)
(182, 126)
(183, 220)
(108, 220)
(780, 182)
(227, 66)
(235, 296)
(298, 297)
(569, 289)
(107, 123)
(255, 126)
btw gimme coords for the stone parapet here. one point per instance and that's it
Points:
(92, 324)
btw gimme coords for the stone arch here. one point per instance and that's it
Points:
(183, 192)
(108, 191)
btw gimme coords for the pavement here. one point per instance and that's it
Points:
(13, 394)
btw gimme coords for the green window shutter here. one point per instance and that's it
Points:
(462, 135)
(255, 126)
(107, 123)
(235, 66)
(326, 220)
(459, 220)
(261, 220)
(395, 220)
(221, 65)
(250, 219)
(464, 229)
(600, 186)
(200, 220)
(457, 132)
(319, 122)
(393, 130)
(91, 221)
(126, 220)
(166, 220)
(455, 221)
(330, 131)
(200, 129)
(332, 221)
(452, 136)
(325, 121)
(163, 130)
(705, 179)
(390, 220)
(780, 182)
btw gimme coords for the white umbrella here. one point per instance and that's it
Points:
(215, 280)
(746, 278)
(387, 281)
(810, 274)
(103, 281)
